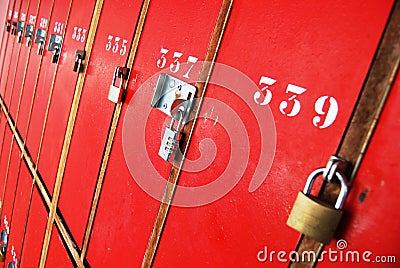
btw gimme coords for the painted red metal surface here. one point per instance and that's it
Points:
(35, 229)
(310, 45)
(6, 34)
(32, 73)
(58, 255)
(48, 71)
(95, 113)
(372, 220)
(128, 226)
(18, 220)
(10, 154)
(64, 88)
(3, 17)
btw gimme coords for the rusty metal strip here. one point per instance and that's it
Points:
(205, 74)
(365, 117)
(67, 138)
(112, 129)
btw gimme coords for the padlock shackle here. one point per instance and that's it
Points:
(343, 185)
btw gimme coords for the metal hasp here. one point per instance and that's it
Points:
(20, 31)
(3, 245)
(80, 56)
(313, 217)
(174, 98)
(116, 93)
(8, 25)
(29, 34)
(40, 39)
(14, 28)
(55, 45)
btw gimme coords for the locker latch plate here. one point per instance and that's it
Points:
(55, 45)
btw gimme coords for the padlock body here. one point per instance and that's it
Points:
(169, 144)
(115, 94)
(314, 218)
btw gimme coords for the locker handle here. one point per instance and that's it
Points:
(80, 56)
(55, 45)
(40, 39)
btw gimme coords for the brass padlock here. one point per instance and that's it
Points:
(315, 218)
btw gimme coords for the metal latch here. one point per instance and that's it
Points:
(40, 39)
(79, 58)
(14, 28)
(8, 25)
(116, 93)
(3, 245)
(174, 98)
(29, 34)
(55, 45)
(20, 30)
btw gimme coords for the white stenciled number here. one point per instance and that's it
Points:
(191, 60)
(122, 51)
(174, 67)
(74, 33)
(6, 224)
(14, 256)
(43, 23)
(23, 16)
(58, 27)
(83, 37)
(162, 60)
(32, 19)
(296, 90)
(116, 44)
(108, 45)
(268, 94)
(330, 113)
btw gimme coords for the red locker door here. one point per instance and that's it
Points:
(126, 213)
(307, 67)
(10, 56)
(63, 92)
(110, 49)
(35, 229)
(371, 215)
(18, 219)
(25, 54)
(10, 154)
(57, 255)
(3, 18)
(6, 34)
(47, 76)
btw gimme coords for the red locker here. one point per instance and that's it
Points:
(64, 87)
(47, 75)
(307, 62)
(18, 219)
(371, 219)
(3, 19)
(6, 34)
(57, 255)
(128, 225)
(35, 229)
(110, 49)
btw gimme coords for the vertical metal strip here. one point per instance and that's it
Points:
(364, 119)
(112, 129)
(69, 131)
(212, 52)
